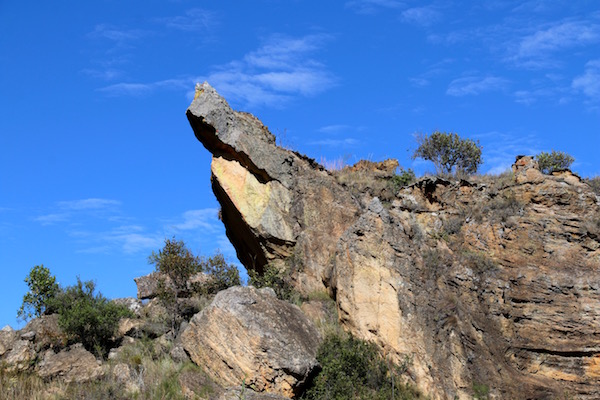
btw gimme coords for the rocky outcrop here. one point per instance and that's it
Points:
(489, 284)
(73, 364)
(249, 337)
(276, 204)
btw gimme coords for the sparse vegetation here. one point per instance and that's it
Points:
(354, 369)
(449, 153)
(178, 264)
(276, 279)
(594, 184)
(42, 288)
(404, 178)
(87, 317)
(553, 161)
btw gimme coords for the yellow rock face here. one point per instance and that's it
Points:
(262, 205)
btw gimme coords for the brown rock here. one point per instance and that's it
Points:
(485, 284)
(147, 285)
(249, 336)
(74, 364)
(276, 204)
(20, 356)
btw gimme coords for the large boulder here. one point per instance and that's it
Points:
(73, 364)
(489, 284)
(247, 336)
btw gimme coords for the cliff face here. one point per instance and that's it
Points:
(494, 285)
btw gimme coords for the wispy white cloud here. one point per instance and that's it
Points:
(66, 211)
(589, 82)
(99, 226)
(334, 128)
(500, 149)
(474, 85)
(335, 142)
(537, 50)
(276, 72)
(205, 219)
(194, 20)
(271, 75)
(53, 218)
(422, 16)
(116, 35)
(419, 82)
(143, 89)
(89, 204)
(372, 6)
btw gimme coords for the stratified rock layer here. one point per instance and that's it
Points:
(490, 285)
(249, 337)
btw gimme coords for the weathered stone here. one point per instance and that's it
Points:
(129, 327)
(20, 356)
(248, 394)
(147, 285)
(73, 364)
(121, 372)
(276, 204)
(7, 338)
(45, 333)
(133, 305)
(249, 336)
(486, 284)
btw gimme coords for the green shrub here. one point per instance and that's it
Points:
(221, 275)
(87, 317)
(277, 280)
(404, 178)
(554, 161)
(177, 262)
(353, 369)
(449, 153)
(42, 288)
(594, 184)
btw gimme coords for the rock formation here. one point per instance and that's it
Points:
(475, 284)
(248, 336)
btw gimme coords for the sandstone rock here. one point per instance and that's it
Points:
(20, 356)
(249, 336)
(248, 394)
(121, 372)
(7, 338)
(74, 364)
(486, 284)
(45, 333)
(276, 204)
(147, 285)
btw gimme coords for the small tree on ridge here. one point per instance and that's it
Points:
(449, 152)
(42, 288)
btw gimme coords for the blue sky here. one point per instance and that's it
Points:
(98, 164)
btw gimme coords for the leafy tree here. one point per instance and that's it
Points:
(554, 161)
(87, 317)
(42, 288)
(178, 264)
(221, 275)
(449, 152)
